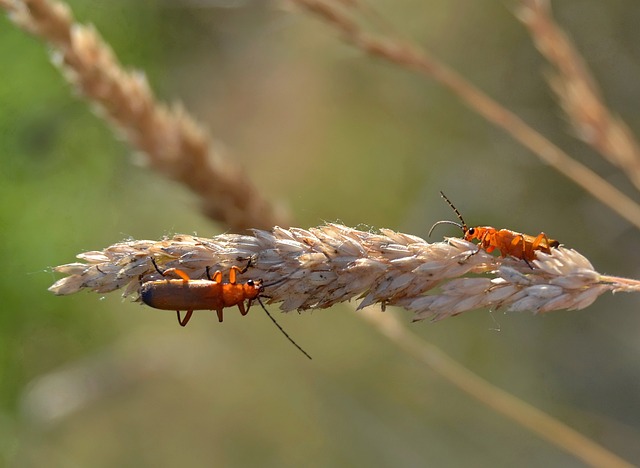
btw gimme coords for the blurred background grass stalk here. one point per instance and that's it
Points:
(533, 13)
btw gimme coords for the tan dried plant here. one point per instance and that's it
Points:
(173, 142)
(578, 92)
(320, 267)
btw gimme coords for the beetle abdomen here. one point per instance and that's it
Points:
(182, 295)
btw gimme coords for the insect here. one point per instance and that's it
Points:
(508, 242)
(205, 294)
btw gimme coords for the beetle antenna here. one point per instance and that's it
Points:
(464, 225)
(446, 222)
(280, 328)
(250, 264)
(274, 283)
(281, 280)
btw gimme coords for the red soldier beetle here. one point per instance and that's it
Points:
(205, 294)
(516, 244)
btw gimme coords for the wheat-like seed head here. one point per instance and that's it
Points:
(172, 141)
(578, 92)
(320, 267)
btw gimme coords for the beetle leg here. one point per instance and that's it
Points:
(243, 311)
(473, 253)
(538, 242)
(485, 242)
(524, 252)
(217, 277)
(244, 270)
(232, 274)
(155, 265)
(179, 273)
(219, 313)
(186, 318)
(546, 240)
(514, 245)
(176, 271)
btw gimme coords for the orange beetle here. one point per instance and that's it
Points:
(204, 294)
(508, 242)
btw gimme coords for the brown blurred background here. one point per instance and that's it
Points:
(333, 135)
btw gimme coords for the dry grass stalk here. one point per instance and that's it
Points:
(531, 418)
(411, 56)
(174, 143)
(323, 266)
(578, 92)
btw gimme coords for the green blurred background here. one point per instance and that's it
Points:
(335, 136)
